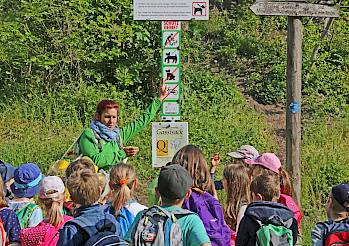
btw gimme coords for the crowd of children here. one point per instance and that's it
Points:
(86, 206)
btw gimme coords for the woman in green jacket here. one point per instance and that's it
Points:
(104, 141)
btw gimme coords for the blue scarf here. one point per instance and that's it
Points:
(104, 132)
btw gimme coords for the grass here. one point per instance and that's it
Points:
(324, 163)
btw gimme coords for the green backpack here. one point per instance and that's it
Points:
(25, 213)
(275, 235)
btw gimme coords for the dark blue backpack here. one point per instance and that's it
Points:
(210, 212)
(106, 235)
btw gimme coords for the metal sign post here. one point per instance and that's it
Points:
(168, 137)
(294, 75)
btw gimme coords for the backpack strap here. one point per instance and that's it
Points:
(25, 213)
(84, 223)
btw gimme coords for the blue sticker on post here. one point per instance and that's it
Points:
(295, 107)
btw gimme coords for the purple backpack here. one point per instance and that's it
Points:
(210, 212)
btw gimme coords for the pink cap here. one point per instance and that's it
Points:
(267, 160)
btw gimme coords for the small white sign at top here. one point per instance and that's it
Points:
(171, 9)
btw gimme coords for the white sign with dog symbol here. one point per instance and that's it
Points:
(170, 57)
(170, 75)
(171, 10)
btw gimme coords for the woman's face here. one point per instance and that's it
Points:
(109, 117)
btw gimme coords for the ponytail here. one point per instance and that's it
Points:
(54, 209)
(122, 179)
(285, 183)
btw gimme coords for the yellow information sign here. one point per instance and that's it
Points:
(167, 139)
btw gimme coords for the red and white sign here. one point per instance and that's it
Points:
(171, 25)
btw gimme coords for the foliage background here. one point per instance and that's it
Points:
(59, 58)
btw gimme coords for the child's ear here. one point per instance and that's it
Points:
(257, 197)
(187, 195)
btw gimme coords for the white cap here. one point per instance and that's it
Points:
(51, 187)
(245, 152)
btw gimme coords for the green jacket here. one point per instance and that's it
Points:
(110, 153)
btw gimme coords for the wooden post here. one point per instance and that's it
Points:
(293, 114)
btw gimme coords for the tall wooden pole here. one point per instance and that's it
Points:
(293, 115)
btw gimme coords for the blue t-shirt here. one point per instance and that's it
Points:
(193, 230)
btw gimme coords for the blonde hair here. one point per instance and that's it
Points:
(238, 191)
(82, 187)
(191, 158)
(80, 164)
(53, 208)
(3, 202)
(122, 178)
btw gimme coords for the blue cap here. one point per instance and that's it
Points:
(6, 171)
(27, 178)
(341, 193)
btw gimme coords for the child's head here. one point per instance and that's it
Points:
(51, 196)
(269, 164)
(174, 184)
(337, 206)
(236, 183)
(123, 182)
(192, 159)
(27, 178)
(266, 188)
(7, 172)
(244, 152)
(83, 187)
(80, 164)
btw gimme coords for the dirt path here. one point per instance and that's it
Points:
(276, 119)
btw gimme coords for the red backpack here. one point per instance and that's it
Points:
(339, 236)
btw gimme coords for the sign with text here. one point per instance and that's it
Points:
(294, 9)
(167, 139)
(170, 10)
(171, 25)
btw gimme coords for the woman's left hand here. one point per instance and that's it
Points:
(131, 150)
(163, 92)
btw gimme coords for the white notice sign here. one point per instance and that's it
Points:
(167, 139)
(170, 9)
